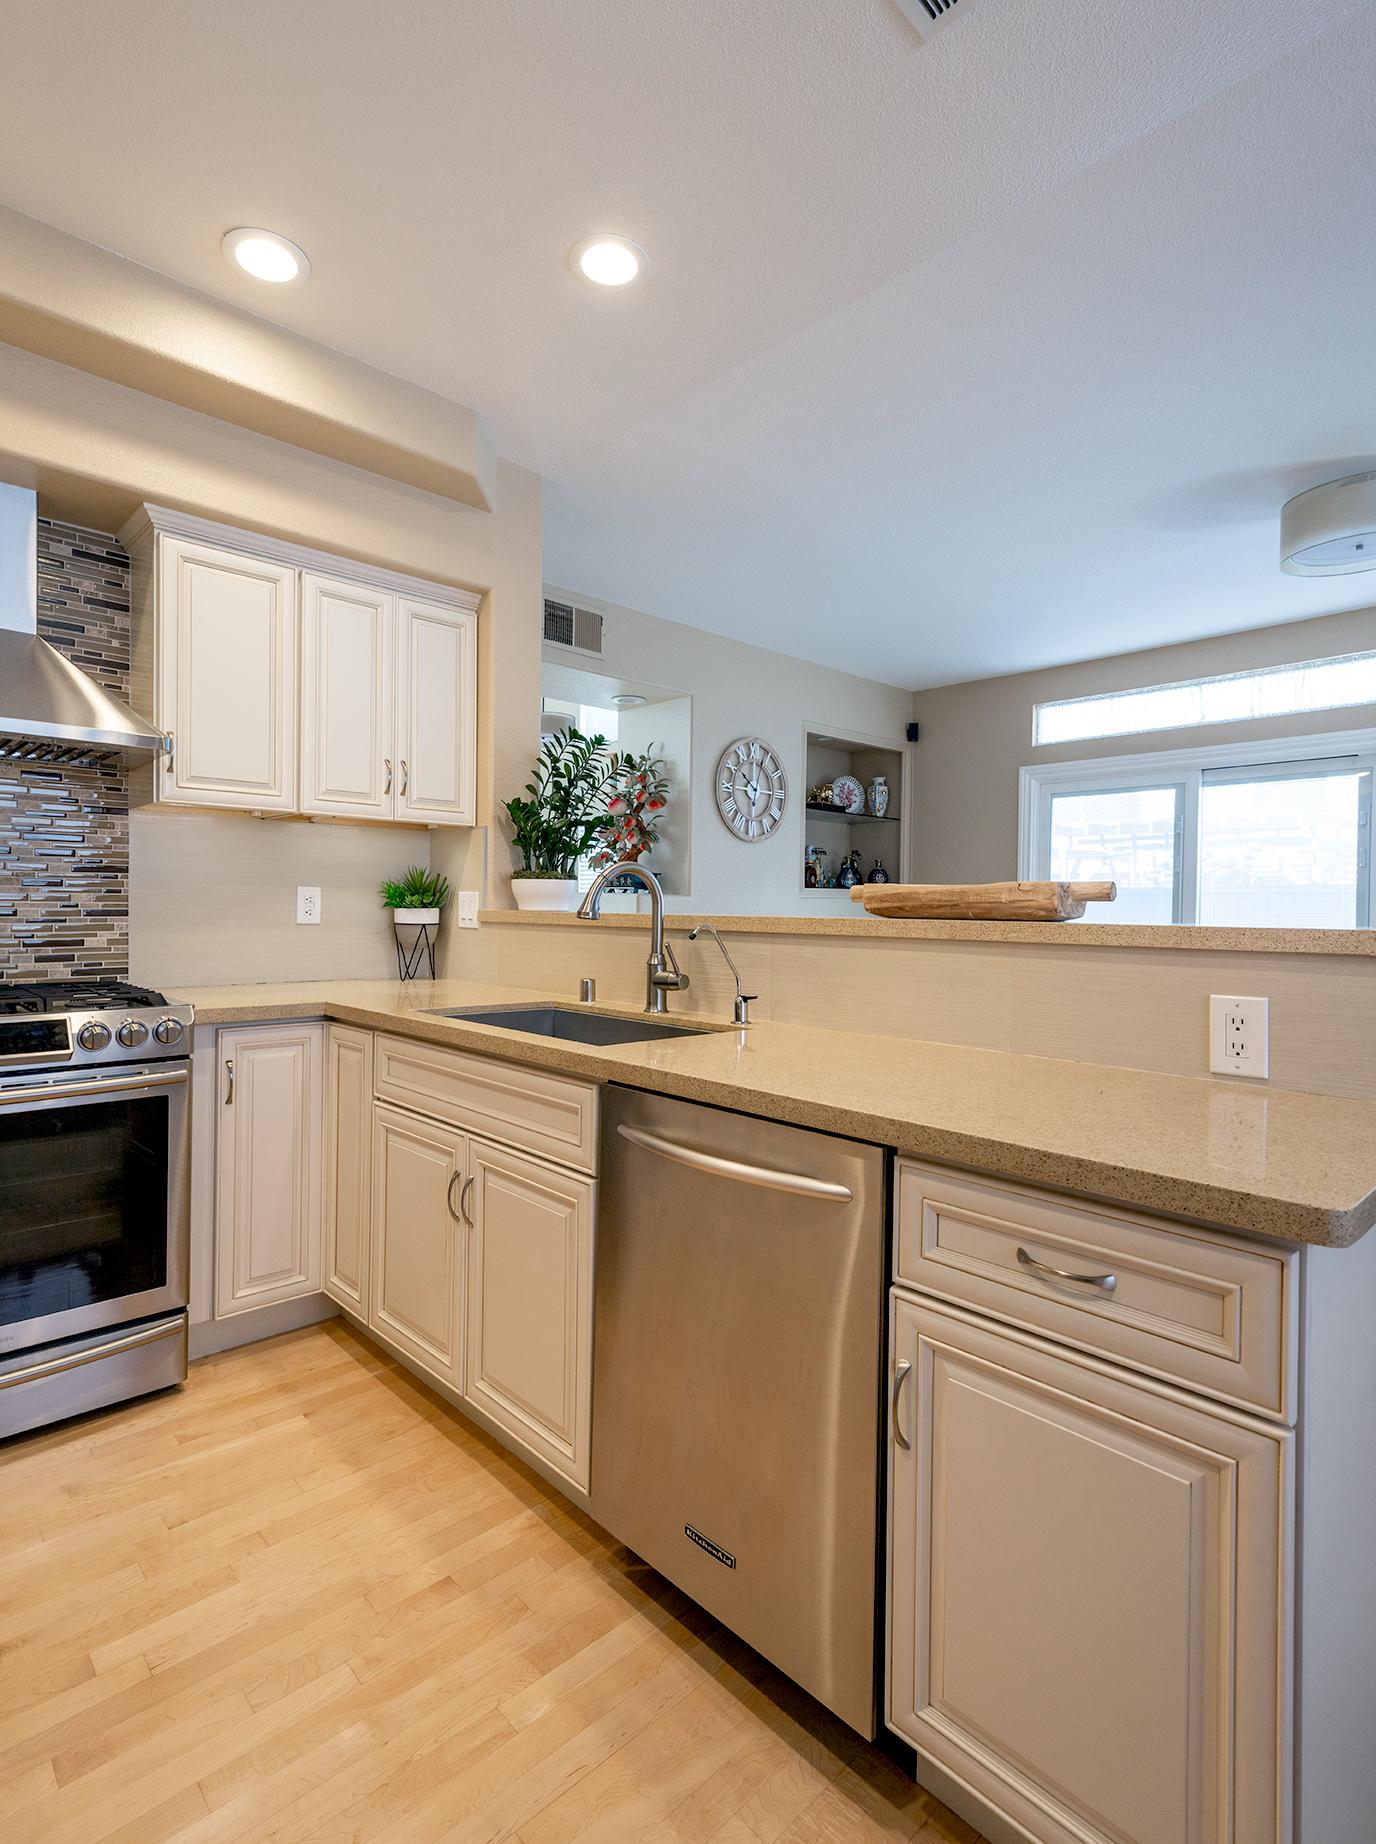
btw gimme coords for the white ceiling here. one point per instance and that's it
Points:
(954, 359)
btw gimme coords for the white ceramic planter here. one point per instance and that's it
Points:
(545, 892)
(415, 918)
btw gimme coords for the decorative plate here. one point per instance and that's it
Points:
(847, 792)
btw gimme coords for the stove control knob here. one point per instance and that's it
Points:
(169, 1030)
(132, 1032)
(93, 1036)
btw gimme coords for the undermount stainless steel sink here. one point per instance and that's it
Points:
(574, 1026)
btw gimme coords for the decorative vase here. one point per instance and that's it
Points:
(545, 892)
(877, 796)
(878, 875)
(849, 874)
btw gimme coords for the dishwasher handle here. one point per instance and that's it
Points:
(799, 1184)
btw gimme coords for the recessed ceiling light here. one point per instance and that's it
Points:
(266, 256)
(624, 700)
(609, 261)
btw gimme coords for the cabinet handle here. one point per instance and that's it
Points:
(387, 764)
(169, 744)
(229, 1081)
(1107, 1282)
(463, 1200)
(405, 777)
(902, 1370)
(449, 1197)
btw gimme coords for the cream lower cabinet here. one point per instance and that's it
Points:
(348, 1165)
(416, 1300)
(267, 1165)
(528, 1363)
(1086, 1602)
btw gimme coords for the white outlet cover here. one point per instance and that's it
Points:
(1239, 1035)
(468, 909)
(308, 903)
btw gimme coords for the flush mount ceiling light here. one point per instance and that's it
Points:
(624, 700)
(608, 260)
(265, 255)
(1330, 530)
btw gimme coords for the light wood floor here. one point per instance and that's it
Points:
(301, 1600)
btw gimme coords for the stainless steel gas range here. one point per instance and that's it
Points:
(94, 1197)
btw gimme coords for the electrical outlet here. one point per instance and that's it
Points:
(468, 909)
(308, 902)
(1239, 1035)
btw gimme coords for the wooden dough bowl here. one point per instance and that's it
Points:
(982, 902)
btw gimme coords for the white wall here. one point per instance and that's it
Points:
(740, 690)
(976, 736)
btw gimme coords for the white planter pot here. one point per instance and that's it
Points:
(545, 892)
(415, 918)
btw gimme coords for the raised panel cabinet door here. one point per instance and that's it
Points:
(227, 628)
(418, 1241)
(436, 729)
(267, 1216)
(1088, 1599)
(348, 1165)
(347, 648)
(530, 1294)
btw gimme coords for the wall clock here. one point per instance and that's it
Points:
(751, 787)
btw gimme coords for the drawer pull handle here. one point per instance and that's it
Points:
(1105, 1282)
(902, 1370)
(468, 1184)
(449, 1197)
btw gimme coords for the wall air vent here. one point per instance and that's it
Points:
(928, 16)
(579, 629)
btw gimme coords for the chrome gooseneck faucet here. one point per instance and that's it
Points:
(662, 972)
(740, 1011)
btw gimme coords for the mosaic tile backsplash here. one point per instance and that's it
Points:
(64, 832)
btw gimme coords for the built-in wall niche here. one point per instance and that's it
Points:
(641, 718)
(833, 834)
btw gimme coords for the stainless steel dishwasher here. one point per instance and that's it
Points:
(736, 1394)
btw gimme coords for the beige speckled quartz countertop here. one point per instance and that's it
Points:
(1278, 1163)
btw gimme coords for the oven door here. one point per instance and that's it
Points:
(94, 1200)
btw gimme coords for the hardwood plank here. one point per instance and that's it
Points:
(302, 1600)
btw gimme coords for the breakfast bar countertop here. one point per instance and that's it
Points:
(1274, 1162)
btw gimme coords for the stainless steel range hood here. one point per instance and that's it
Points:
(50, 711)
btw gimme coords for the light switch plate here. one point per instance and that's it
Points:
(1239, 1035)
(308, 902)
(468, 909)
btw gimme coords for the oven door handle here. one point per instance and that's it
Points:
(117, 1085)
(72, 1360)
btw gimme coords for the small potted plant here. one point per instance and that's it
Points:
(559, 818)
(416, 898)
(639, 793)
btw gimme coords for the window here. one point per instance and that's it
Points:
(1274, 691)
(1197, 835)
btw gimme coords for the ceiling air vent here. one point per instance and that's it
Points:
(579, 629)
(928, 16)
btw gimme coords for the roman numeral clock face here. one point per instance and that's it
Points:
(752, 790)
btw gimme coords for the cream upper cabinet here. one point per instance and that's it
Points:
(267, 1207)
(1088, 1626)
(417, 1283)
(292, 681)
(226, 676)
(347, 650)
(436, 717)
(348, 1165)
(530, 1290)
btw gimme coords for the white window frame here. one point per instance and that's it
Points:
(1184, 770)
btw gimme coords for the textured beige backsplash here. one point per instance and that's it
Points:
(212, 897)
(1136, 1009)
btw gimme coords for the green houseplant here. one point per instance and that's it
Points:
(558, 818)
(416, 897)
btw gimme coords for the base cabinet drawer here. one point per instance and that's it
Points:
(1211, 1312)
(528, 1362)
(509, 1104)
(1087, 1620)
